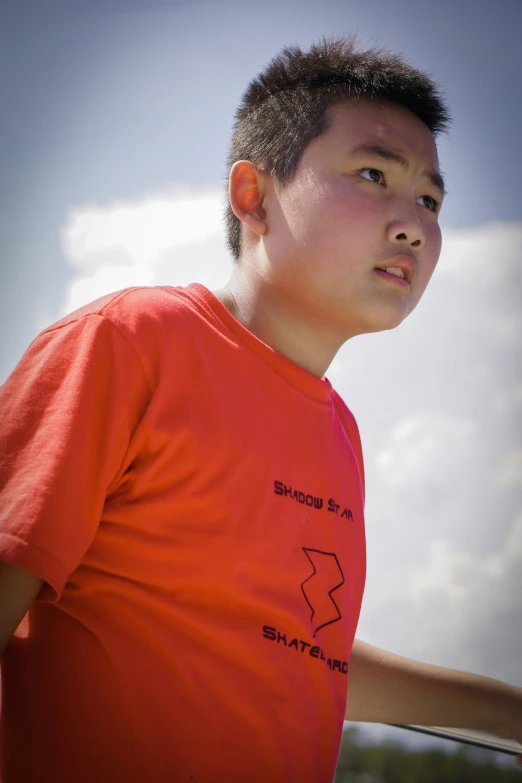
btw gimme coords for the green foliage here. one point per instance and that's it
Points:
(391, 762)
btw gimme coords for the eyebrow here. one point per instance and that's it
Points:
(377, 151)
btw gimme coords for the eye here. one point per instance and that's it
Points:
(432, 204)
(374, 175)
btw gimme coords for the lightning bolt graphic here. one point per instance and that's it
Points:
(327, 577)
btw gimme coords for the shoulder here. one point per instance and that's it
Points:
(150, 320)
(138, 313)
(128, 307)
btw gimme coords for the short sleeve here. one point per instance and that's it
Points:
(68, 412)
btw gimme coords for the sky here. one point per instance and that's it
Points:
(116, 120)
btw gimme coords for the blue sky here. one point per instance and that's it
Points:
(106, 100)
(116, 118)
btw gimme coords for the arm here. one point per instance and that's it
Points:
(387, 688)
(18, 589)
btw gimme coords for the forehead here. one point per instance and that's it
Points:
(378, 122)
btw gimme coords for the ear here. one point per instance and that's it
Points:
(246, 190)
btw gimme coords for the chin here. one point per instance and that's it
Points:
(383, 322)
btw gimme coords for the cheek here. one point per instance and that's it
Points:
(331, 221)
(336, 213)
(360, 216)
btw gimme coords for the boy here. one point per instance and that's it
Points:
(183, 490)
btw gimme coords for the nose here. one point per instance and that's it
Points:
(407, 230)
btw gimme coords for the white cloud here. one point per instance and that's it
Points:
(510, 469)
(422, 443)
(509, 400)
(482, 255)
(479, 612)
(127, 244)
(109, 277)
(439, 406)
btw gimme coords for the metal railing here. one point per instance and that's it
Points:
(477, 738)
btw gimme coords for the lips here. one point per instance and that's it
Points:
(400, 281)
(407, 263)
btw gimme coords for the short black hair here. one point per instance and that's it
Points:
(287, 105)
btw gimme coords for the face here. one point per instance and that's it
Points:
(365, 193)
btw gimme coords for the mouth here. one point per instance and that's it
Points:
(395, 279)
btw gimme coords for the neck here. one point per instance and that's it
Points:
(279, 322)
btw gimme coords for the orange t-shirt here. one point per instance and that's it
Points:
(194, 501)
